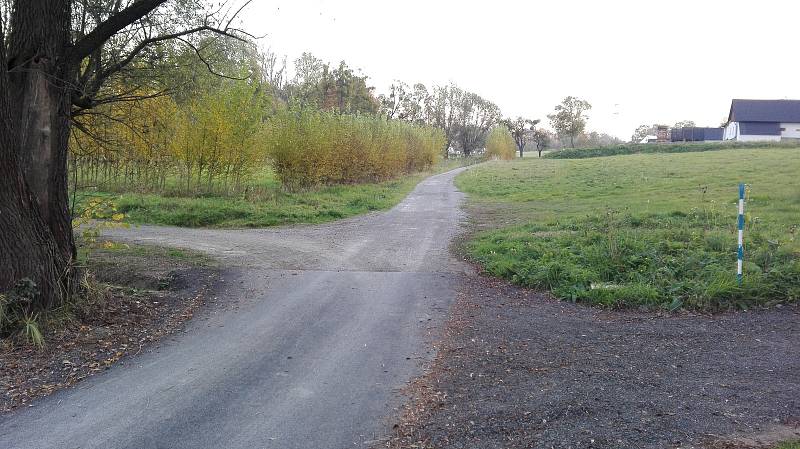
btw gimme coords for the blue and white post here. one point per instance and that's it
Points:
(740, 248)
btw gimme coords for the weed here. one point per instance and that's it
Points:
(16, 314)
(30, 329)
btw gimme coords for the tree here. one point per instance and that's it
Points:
(541, 138)
(569, 118)
(520, 129)
(56, 62)
(342, 89)
(684, 124)
(475, 116)
(406, 103)
(346, 91)
(394, 105)
(597, 139)
(643, 131)
(272, 73)
(419, 110)
(443, 105)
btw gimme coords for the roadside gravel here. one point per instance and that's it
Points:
(517, 369)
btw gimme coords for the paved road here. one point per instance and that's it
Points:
(323, 325)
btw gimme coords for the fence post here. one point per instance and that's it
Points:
(740, 247)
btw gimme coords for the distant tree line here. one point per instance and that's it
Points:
(643, 131)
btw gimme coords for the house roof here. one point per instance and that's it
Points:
(787, 111)
(694, 133)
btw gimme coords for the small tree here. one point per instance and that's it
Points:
(685, 124)
(541, 138)
(520, 128)
(500, 144)
(569, 118)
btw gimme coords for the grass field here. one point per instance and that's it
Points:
(265, 203)
(653, 230)
(789, 445)
(649, 148)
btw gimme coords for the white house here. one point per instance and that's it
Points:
(763, 120)
(650, 138)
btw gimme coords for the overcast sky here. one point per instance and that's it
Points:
(634, 61)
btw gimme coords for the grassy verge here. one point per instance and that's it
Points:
(266, 203)
(656, 230)
(677, 147)
(789, 445)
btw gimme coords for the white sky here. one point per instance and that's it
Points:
(636, 62)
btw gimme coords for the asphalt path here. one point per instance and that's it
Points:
(315, 331)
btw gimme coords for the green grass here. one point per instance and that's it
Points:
(677, 147)
(264, 203)
(654, 230)
(789, 445)
(140, 252)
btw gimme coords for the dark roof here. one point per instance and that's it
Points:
(765, 111)
(696, 134)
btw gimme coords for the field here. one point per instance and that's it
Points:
(646, 230)
(264, 203)
(647, 148)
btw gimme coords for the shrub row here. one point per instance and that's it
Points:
(212, 140)
(310, 148)
(680, 147)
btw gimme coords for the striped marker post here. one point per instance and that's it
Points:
(740, 248)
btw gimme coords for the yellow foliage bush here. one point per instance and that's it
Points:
(500, 144)
(215, 141)
(311, 148)
(212, 142)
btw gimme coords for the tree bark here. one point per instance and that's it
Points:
(38, 83)
(35, 231)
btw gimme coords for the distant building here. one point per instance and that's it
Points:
(650, 138)
(696, 134)
(662, 133)
(763, 120)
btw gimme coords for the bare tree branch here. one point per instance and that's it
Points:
(111, 26)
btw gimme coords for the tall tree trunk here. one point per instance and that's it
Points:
(36, 235)
(38, 78)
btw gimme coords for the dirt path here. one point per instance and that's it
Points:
(518, 369)
(324, 324)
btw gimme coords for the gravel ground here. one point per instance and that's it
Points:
(321, 327)
(517, 369)
(138, 300)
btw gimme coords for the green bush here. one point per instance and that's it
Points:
(678, 147)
